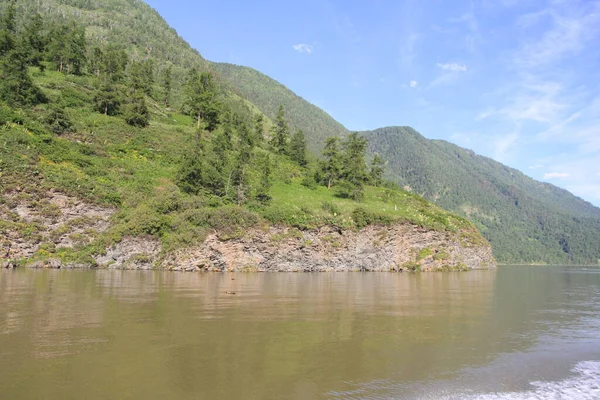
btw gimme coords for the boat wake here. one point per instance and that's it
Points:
(583, 385)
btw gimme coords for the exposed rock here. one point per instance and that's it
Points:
(131, 253)
(61, 221)
(55, 220)
(374, 248)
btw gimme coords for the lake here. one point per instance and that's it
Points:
(511, 333)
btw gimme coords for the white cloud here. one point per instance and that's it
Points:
(303, 48)
(454, 67)
(556, 175)
(536, 166)
(568, 35)
(413, 84)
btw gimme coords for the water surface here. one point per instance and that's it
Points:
(518, 332)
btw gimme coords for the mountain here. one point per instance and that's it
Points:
(145, 34)
(120, 148)
(526, 221)
(267, 94)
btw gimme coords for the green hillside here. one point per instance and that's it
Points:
(267, 94)
(524, 220)
(173, 162)
(143, 33)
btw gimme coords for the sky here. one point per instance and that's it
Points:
(514, 80)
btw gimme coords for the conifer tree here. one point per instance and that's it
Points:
(354, 172)
(201, 99)
(108, 99)
(167, 84)
(35, 41)
(377, 170)
(331, 168)
(298, 148)
(259, 129)
(135, 110)
(8, 32)
(281, 132)
(265, 168)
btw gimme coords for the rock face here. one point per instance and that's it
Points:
(401, 247)
(31, 226)
(375, 248)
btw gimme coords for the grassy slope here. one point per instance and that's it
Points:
(525, 220)
(267, 94)
(137, 27)
(108, 162)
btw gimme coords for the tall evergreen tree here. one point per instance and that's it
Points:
(8, 32)
(167, 84)
(280, 132)
(259, 129)
(240, 172)
(135, 110)
(354, 172)
(201, 99)
(67, 48)
(108, 99)
(331, 168)
(35, 41)
(377, 170)
(298, 148)
(16, 86)
(265, 169)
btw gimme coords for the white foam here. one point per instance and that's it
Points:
(583, 385)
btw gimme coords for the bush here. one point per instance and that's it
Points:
(363, 218)
(348, 190)
(58, 121)
(330, 208)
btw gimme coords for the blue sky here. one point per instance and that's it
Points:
(515, 80)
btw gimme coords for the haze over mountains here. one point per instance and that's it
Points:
(525, 220)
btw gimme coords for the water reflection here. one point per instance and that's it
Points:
(130, 334)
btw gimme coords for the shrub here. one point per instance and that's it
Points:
(330, 208)
(58, 121)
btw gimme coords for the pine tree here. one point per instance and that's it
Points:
(16, 86)
(167, 84)
(8, 32)
(201, 99)
(265, 168)
(298, 148)
(108, 99)
(35, 41)
(281, 132)
(67, 48)
(141, 76)
(135, 110)
(259, 129)
(239, 177)
(354, 172)
(331, 168)
(377, 170)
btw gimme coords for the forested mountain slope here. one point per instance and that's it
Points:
(267, 94)
(110, 158)
(525, 220)
(138, 28)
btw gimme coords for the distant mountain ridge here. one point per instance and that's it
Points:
(526, 221)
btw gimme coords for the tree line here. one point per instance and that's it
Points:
(228, 158)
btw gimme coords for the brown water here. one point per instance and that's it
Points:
(164, 335)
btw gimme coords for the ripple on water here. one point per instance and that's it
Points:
(583, 385)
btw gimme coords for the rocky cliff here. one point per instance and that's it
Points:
(33, 230)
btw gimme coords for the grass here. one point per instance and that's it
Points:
(107, 162)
